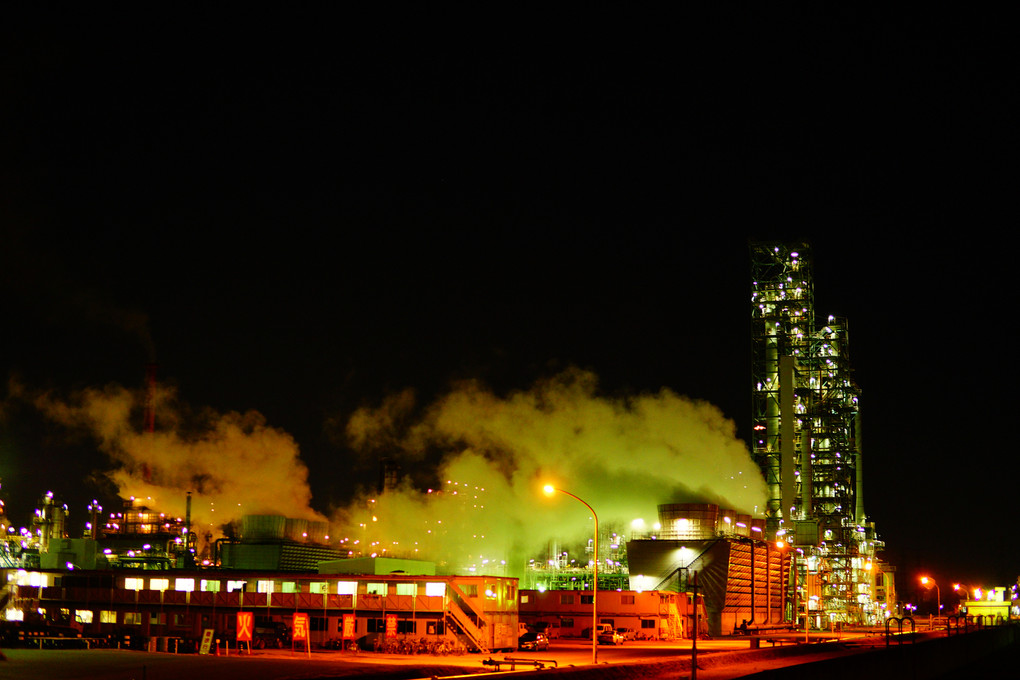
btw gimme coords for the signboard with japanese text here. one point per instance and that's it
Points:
(348, 626)
(300, 631)
(391, 625)
(207, 639)
(245, 626)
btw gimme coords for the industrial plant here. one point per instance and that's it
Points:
(808, 440)
(811, 559)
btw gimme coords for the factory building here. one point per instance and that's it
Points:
(812, 558)
(725, 556)
(807, 437)
(644, 615)
(478, 612)
(814, 554)
(276, 543)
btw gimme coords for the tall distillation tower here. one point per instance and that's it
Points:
(807, 432)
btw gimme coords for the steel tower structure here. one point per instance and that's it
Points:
(806, 432)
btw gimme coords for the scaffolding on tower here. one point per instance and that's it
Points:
(806, 435)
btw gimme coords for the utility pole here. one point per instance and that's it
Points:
(694, 633)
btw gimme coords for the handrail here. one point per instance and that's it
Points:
(899, 622)
(464, 622)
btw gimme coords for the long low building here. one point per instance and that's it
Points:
(742, 577)
(649, 615)
(479, 611)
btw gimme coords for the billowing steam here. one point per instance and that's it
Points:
(623, 456)
(234, 463)
(472, 466)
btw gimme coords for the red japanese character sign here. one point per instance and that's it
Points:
(300, 627)
(245, 626)
(348, 626)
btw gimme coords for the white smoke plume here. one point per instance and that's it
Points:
(234, 463)
(623, 456)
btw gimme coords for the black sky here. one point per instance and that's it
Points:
(300, 213)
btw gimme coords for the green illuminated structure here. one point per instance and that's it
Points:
(807, 436)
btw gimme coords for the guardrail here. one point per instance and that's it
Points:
(538, 664)
(899, 633)
(55, 639)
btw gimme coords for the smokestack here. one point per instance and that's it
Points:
(150, 398)
(787, 418)
(859, 445)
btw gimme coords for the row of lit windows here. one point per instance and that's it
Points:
(270, 586)
(22, 577)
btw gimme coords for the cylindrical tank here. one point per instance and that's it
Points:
(297, 529)
(726, 524)
(689, 521)
(743, 525)
(317, 531)
(263, 527)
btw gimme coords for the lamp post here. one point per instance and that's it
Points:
(549, 491)
(964, 592)
(938, 595)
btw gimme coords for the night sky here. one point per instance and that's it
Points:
(300, 214)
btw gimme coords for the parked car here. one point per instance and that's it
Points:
(610, 637)
(533, 641)
(627, 633)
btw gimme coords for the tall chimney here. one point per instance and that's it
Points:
(150, 397)
(859, 445)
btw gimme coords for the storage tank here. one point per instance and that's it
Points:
(317, 532)
(297, 529)
(689, 521)
(263, 527)
(743, 525)
(727, 522)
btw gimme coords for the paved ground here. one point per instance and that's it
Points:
(717, 660)
(25, 664)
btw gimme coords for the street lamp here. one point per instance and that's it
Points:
(924, 582)
(549, 491)
(966, 593)
(961, 591)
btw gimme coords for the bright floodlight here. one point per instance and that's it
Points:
(549, 489)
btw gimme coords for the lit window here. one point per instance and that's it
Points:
(347, 588)
(159, 584)
(435, 589)
(134, 583)
(407, 589)
(186, 585)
